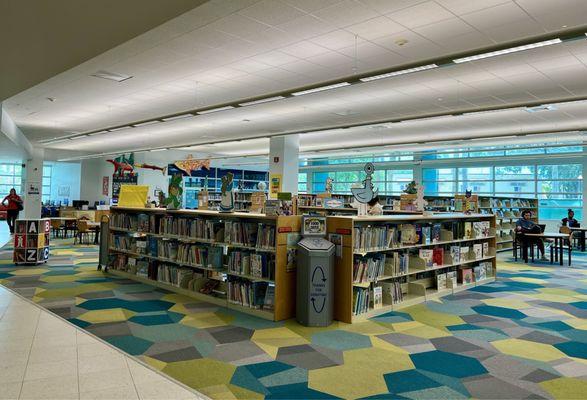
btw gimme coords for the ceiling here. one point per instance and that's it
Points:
(225, 51)
(41, 39)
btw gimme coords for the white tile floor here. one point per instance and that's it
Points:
(45, 357)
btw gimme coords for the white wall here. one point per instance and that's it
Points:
(92, 172)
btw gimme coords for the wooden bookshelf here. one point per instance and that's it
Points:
(282, 279)
(418, 283)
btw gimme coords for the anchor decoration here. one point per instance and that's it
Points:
(227, 193)
(366, 193)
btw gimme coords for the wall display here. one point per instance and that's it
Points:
(119, 180)
(33, 188)
(31, 241)
(175, 192)
(63, 191)
(258, 202)
(105, 185)
(227, 193)
(123, 165)
(292, 247)
(275, 181)
(153, 167)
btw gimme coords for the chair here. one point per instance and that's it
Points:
(70, 225)
(83, 231)
(57, 227)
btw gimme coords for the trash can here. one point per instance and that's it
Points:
(315, 282)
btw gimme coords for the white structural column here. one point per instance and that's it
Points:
(584, 222)
(33, 184)
(284, 162)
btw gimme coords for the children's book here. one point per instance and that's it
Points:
(478, 250)
(466, 276)
(438, 257)
(426, 255)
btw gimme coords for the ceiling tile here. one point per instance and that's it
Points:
(495, 16)
(460, 7)
(345, 13)
(304, 49)
(442, 30)
(375, 28)
(271, 12)
(336, 40)
(421, 14)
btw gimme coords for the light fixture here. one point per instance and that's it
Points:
(155, 150)
(155, 121)
(111, 76)
(545, 107)
(57, 141)
(174, 118)
(507, 51)
(77, 137)
(213, 110)
(119, 128)
(261, 101)
(321, 89)
(98, 133)
(400, 72)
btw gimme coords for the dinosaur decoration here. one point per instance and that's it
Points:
(191, 164)
(126, 165)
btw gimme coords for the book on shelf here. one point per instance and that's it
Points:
(436, 233)
(464, 254)
(481, 229)
(265, 236)
(408, 234)
(478, 250)
(437, 256)
(485, 251)
(247, 293)
(451, 279)
(468, 230)
(455, 254)
(361, 299)
(426, 235)
(480, 273)
(441, 281)
(396, 263)
(143, 222)
(466, 276)
(269, 301)
(374, 237)
(377, 297)
(427, 256)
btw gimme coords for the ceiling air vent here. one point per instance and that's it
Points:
(111, 76)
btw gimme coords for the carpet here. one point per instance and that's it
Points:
(524, 336)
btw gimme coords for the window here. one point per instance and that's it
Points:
(47, 171)
(10, 177)
(302, 182)
(439, 181)
(386, 181)
(560, 187)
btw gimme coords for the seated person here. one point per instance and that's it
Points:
(526, 225)
(375, 207)
(570, 220)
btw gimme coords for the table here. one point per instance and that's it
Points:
(581, 236)
(559, 240)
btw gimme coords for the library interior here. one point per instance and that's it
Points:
(293, 199)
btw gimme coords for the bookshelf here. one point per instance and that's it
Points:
(236, 260)
(386, 252)
(507, 211)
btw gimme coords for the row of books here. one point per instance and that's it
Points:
(368, 269)
(374, 237)
(361, 300)
(257, 295)
(253, 264)
(133, 222)
(206, 256)
(507, 203)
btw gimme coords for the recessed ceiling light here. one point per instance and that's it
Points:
(400, 72)
(213, 110)
(261, 101)
(111, 76)
(321, 88)
(507, 51)
(176, 117)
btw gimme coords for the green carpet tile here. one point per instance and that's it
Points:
(524, 336)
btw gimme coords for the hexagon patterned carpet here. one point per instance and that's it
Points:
(523, 337)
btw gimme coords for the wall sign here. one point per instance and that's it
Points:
(105, 185)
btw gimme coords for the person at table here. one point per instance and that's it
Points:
(570, 220)
(13, 204)
(526, 225)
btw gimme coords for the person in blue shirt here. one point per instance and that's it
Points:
(526, 225)
(570, 220)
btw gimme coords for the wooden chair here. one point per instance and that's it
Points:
(57, 227)
(83, 231)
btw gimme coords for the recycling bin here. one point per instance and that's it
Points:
(315, 282)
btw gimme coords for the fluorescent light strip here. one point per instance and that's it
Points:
(321, 88)
(261, 101)
(155, 150)
(401, 72)
(97, 133)
(58, 141)
(507, 51)
(155, 121)
(213, 110)
(77, 137)
(182, 116)
(119, 129)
